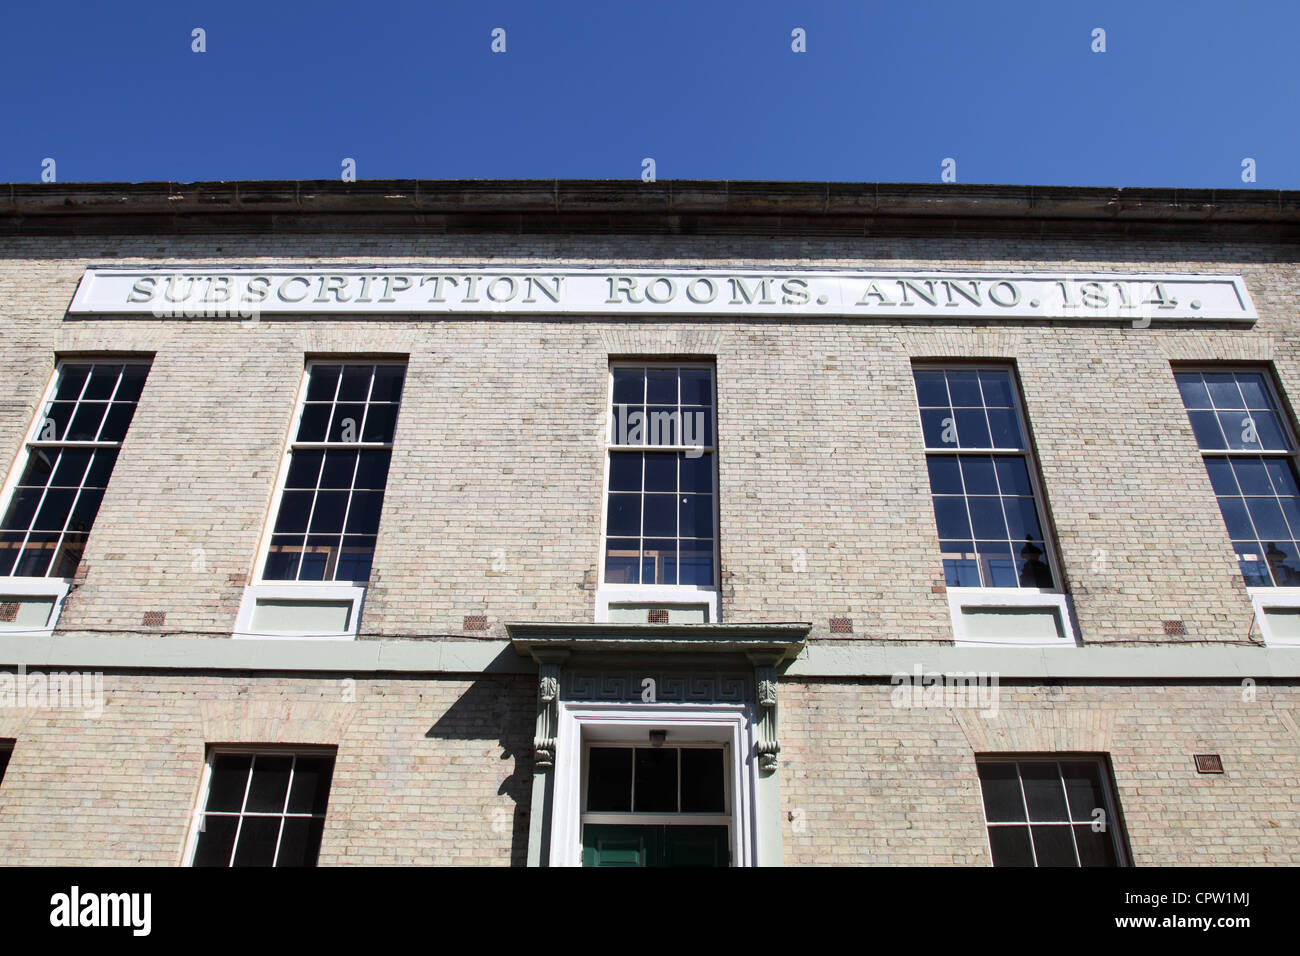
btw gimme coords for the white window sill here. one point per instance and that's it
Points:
(657, 594)
(53, 589)
(309, 594)
(1012, 600)
(1265, 599)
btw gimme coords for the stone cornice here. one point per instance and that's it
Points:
(668, 207)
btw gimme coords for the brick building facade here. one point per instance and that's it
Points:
(481, 678)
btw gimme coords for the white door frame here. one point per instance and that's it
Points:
(631, 723)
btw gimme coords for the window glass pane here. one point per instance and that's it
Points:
(695, 563)
(622, 561)
(1252, 476)
(1000, 785)
(282, 558)
(951, 518)
(72, 378)
(1267, 516)
(1031, 565)
(304, 469)
(964, 388)
(629, 386)
(1095, 848)
(323, 383)
(609, 779)
(372, 469)
(1254, 390)
(660, 515)
(945, 474)
(972, 428)
(314, 423)
(663, 425)
(659, 561)
(1192, 390)
(68, 556)
(86, 421)
(979, 476)
(101, 467)
(346, 422)
(388, 383)
(1005, 428)
(1220, 470)
(661, 386)
(355, 558)
(381, 424)
(311, 784)
(258, 838)
(1239, 429)
(696, 516)
(656, 780)
(1044, 794)
(625, 472)
(363, 512)
(216, 840)
(228, 782)
(702, 781)
(1205, 425)
(1224, 392)
(696, 473)
(996, 386)
(300, 842)
(1010, 846)
(697, 386)
(327, 516)
(85, 510)
(1022, 519)
(295, 507)
(1283, 562)
(102, 382)
(53, 513)
(132, 383)
(938, 428)
(624, 518)
(117, 421)
(986, 517)
(660, 472)
(71, 467)
(354, 386)
(959, 564)
(340, 467)
(931, 389)
(1083, 788)
(1268, 431)
(1251, 561)
(1054, 846)
(270, 784)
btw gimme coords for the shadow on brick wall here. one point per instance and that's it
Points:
(501, 709)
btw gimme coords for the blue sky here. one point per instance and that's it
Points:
(885, 92)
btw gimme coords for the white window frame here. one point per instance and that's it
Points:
(665, 594)
(1107, 787)
(617, 724)
(1265, 596)
(51, 587)
(992, 598)
(205, 779)
(259, 589)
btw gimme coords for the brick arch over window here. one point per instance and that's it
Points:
(1038, 731)
(639, 340)
(274, 722)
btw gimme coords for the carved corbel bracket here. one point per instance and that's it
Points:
(548, 707)
(765, 686)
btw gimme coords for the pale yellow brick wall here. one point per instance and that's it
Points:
(866, 783)
(499, 444)
(439, 770)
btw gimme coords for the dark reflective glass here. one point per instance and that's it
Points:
(85, 510)
(656, 780)
(625, 472)
(1010, 846)
(71, 381)
(258, 837)
(945, 474)
(71, 548)
(327, 517)
(659, 561)
(964, 388)
(661, 386)
(660, 472)
(132, 384)
(624, 516)
(228, 782)
(372, 469)
(1005, 428)
(1220, 470)
(117, 421)
(311, 784)
(216, 840)
(622, 561)
(951, 518)
(695, 563)
(323, 383)
(696, 473)
(986, 516)
(345, 424)
(270, 784)
(1022, 519)
(355, 384)
(697, 386)
(295, 507)
(314, 423)
(355, 558)
(339, 468)
(23, 508)
(629, 386)
(300, 842)
(938, 428)
(972, 428)
(609, 779)
(696, 514)
(388, 383)
(1000, 785)
(1192, 390)
(53, 513)
(86, 421)
(1096, 848)
(979, 474)
(1252, 476)
(1224, 392)
(101, 468)
(102, 383)
(1083, 788)
(702, 781)
(996, 386)
(660, 515)
(363, 513)
(1206, 427)
(1043, 791)
(1054, 846)
(931, 389)
(381, 424)
(304, 469)
(71, 467)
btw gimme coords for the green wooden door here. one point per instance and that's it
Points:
(622, 845)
